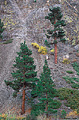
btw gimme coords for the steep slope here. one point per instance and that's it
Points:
(30, 22)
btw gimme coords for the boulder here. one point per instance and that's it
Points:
(76, 47)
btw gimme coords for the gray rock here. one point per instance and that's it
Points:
(77, 47)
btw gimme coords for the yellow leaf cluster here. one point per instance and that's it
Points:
(3, 116)
(52, 50)
(66, 61)
(35, 45)
(42, 50)
(73, 113)
(5, 2)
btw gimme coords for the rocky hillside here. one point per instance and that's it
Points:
(25, 20)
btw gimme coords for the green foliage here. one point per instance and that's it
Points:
(34, 0)
(1, 28)
(31, 117)
(47, 44)
(76, 67)
(73, 81)
(23, 73)
(63, 40)
(46, 92)
(63, 114)
(11, 117)
(70, 72)
(72, 97)
(55, 17)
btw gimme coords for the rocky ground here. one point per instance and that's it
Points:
(25, 20)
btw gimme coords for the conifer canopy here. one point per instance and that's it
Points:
(23, 73)
(1, 28)
(46, 92)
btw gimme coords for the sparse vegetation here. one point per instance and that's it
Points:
(44, 98)
(11, 117)
(76, 67)
(66, 61)
(74, 82)
(72, 97)
(47, 43)
(8, 41)
(1, 29)
(70, 72)
(63, 114)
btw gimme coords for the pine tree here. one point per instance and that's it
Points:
(55, 17)
(46, 92)
(23, 74)
(1, 28)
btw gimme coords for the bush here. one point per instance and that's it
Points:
(1, 28)
(76, 67)
(70, 72)
(66, 61)
(63, 114)
(31, 117)
(42, 50)
(35, 45)
(8, 41)
(47, 44)
(72, 97)
(73, 81)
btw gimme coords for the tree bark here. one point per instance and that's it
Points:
(55, 45)
(55, 53)
(46, 107)
(23, 100)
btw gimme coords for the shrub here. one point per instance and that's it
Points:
(1, 28)
(76, 67)
(31, 117)
(52, 51)
(47, 44)
(66, 61)
(42, 50)
(73, 81)
(8, 41)
(70, 72)
(72, 97)
(35, 45)
(72, 113)
(63, 114)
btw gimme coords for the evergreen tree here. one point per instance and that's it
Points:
(55, 17)
(24, 74)
(46, 92)
(1, 28)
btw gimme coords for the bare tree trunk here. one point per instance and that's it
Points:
(55, 45)
(56, 53)
(46, 107)
(23, 100)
